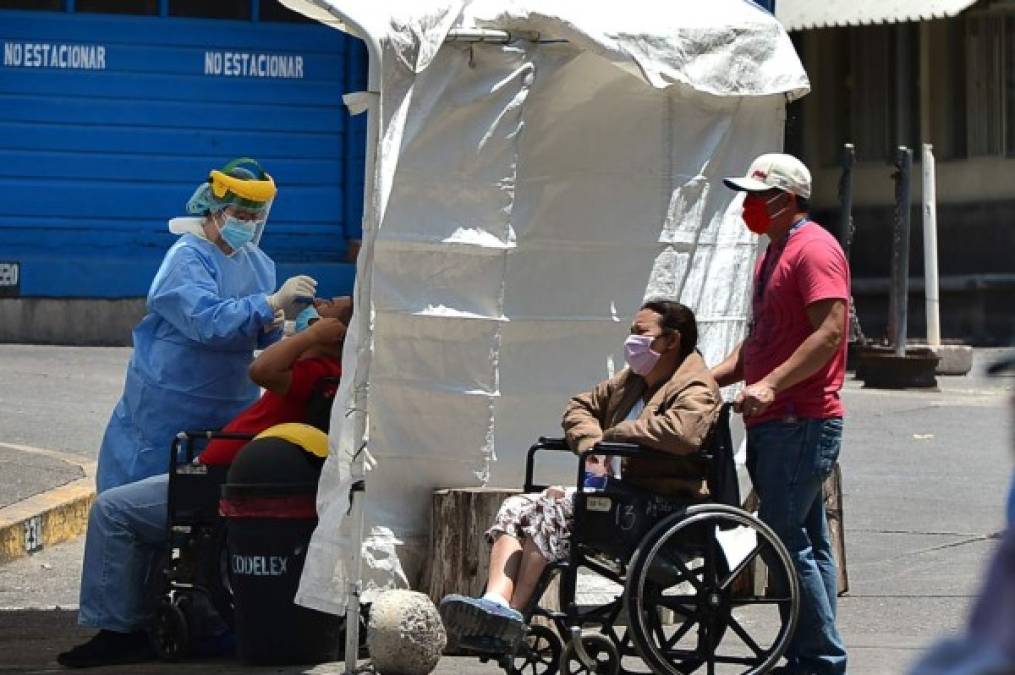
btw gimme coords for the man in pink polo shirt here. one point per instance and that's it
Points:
(793, 362)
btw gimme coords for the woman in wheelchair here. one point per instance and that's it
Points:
(127, 526)
(666, 399)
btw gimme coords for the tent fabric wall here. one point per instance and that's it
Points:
(531, 196)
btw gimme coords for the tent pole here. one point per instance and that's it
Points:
(492, 35)
(363, 314)
(352, 584)
(364, 311)
(371, 219)
(364, 318)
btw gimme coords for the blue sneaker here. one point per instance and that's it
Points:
(468, 617)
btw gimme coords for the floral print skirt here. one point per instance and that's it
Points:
(543, 518)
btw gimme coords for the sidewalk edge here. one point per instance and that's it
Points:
(49, 517)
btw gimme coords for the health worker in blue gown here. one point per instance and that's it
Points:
(209, 307)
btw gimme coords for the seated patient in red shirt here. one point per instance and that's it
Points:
(127, 524)
(288, 370)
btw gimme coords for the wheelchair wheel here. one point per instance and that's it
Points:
(170, 635)
(685, 599)
(600, 649)
(220, 588)
(537, 654)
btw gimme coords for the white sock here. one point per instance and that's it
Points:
(496, 598)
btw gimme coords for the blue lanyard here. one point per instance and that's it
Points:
(797, 225)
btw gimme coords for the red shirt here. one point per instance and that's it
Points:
(806, 267)
(272, 409)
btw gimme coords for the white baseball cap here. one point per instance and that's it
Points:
(774, 170)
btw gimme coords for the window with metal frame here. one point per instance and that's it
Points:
(883, 96)
(43, 5)
(856, 95)
(220, 9)
(273, 10)
(947, 74)
(143, 7)
(988, 37)
(829, 101)
(990, 82)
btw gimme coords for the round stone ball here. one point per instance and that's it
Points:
(405, 635)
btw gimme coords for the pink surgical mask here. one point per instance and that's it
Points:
(639, 355)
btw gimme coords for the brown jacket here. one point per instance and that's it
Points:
(677, 419)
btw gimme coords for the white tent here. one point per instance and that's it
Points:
(535, 170)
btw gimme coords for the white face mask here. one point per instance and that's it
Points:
(639, 355)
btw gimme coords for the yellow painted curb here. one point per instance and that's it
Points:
(50, 517)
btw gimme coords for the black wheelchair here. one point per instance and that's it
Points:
(680, 579)
(190, 590)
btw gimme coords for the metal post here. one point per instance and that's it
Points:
(899, 300)
(930, 283)
(846, 228)
(352, 584)
(925, 77)
(903, 82)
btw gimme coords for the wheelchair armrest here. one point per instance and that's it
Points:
(555, 444)
(186, 440)
(610, 449)
(629, 450)
(550, 443)
(615, 450)
(603, 448)
(227, 435)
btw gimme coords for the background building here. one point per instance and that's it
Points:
(906, 73)
(113, 111)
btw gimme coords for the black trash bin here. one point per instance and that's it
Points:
(269, 502)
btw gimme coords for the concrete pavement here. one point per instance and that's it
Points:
(58, 398)
(925, 476)
(29, 639)
(56, 401)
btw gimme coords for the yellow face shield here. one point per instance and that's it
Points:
(242, 188)
(257, 191)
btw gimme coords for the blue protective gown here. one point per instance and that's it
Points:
(207, 313)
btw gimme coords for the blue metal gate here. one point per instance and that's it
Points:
(109, 122)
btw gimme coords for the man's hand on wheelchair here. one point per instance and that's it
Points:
(755, 399)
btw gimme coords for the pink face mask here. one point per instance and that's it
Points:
(639, 355)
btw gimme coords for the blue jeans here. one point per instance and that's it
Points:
(788, 462)
(126, 531)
